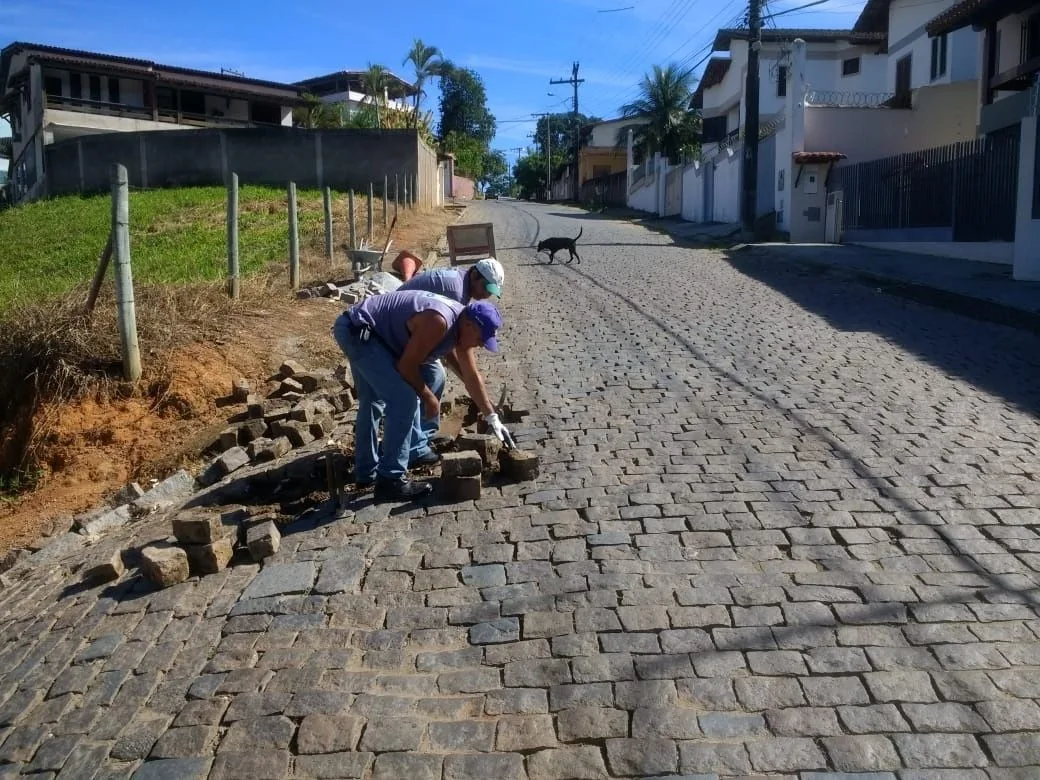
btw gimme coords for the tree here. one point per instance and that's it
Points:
(495, 166)
(428, 63)
(463, 106)
(563, 134)
(530, 175)
(374, 83)
(315, 113)
(470, 154)
(664, 99)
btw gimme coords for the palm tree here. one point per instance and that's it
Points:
(374, 83)
(664, 99)
(429, 63)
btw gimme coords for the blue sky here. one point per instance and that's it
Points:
(515, 46)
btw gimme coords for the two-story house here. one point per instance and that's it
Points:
(51, 94)
(842, 66)
(945, 66)
(347, 89)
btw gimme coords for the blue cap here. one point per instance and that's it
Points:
(487, 318)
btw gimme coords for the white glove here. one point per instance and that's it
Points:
(500, 430)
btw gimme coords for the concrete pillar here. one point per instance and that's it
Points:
(630, 161)
(796, 96)
(1027, 229)
(319, 163)
(144, 161)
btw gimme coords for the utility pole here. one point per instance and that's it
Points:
(575, 81)
(750, 205)
(548, 155)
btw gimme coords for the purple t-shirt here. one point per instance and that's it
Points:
(450, 282)
(388, 316)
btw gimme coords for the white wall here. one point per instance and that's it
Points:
(726, 200)
(644, 197)
(693, 191)
(606, 133)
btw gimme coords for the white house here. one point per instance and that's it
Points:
(347, 89)
(842, 66)
(50, 94)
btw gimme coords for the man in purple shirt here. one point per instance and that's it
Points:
(388, 339)
(481, 281)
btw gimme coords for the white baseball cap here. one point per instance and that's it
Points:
(493, 274)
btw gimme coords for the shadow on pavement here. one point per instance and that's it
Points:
(960, 347)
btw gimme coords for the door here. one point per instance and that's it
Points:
(903, 81)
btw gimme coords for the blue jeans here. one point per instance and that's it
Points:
(434, 377)
(381, 392)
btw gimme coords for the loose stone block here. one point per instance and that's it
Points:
(461, 464)
(263, 540)
(461, 488)
(518, 465)
(106, 569)
(484, 444)
(290, 368)
(322, 426)
(164, 565)
(264, 450)
(232, 460)
(255, 406)
(209, 558)
(251, 430)
(240, 390)
(199, 527)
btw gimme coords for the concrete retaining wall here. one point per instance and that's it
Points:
(341, 159)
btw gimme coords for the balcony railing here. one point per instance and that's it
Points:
(102, 108)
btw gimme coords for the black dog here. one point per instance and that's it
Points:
(558, 244)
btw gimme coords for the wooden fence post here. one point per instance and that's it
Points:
(328, 224)
(234, 282)
(406, 192)
(386, 210)
(397, 192)
(371, 196)
(124, 277)
(294, 239)
(353, 226)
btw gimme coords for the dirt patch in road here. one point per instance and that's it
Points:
(92, 447)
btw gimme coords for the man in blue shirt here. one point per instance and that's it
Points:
(387, 339)
(481, 281)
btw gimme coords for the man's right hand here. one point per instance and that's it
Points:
(431, 406)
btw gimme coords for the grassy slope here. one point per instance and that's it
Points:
(176, 235)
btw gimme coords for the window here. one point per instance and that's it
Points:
(75, 86)
(1031, 38)
(939, 46)
(781, 81)
(265, 113)
(193, 103)
(95, 88)
(165, 99)
(113, 91)
(52, 86)
(850, 67)
(903, 71)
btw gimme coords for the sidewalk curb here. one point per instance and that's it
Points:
(966, 305)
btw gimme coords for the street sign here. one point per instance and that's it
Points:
(476, 241)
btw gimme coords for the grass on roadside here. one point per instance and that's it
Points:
(178, 235)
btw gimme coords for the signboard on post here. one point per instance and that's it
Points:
(475, 241)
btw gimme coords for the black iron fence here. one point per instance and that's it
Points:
(970, 187)
(609, 190)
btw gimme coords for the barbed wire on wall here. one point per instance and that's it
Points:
(828, 98)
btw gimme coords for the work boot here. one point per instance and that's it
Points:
(431, 458)
(401, 489)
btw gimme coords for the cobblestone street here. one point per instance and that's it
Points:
(786, 527)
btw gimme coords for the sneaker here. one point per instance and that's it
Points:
(431, 458)
(401, 489)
